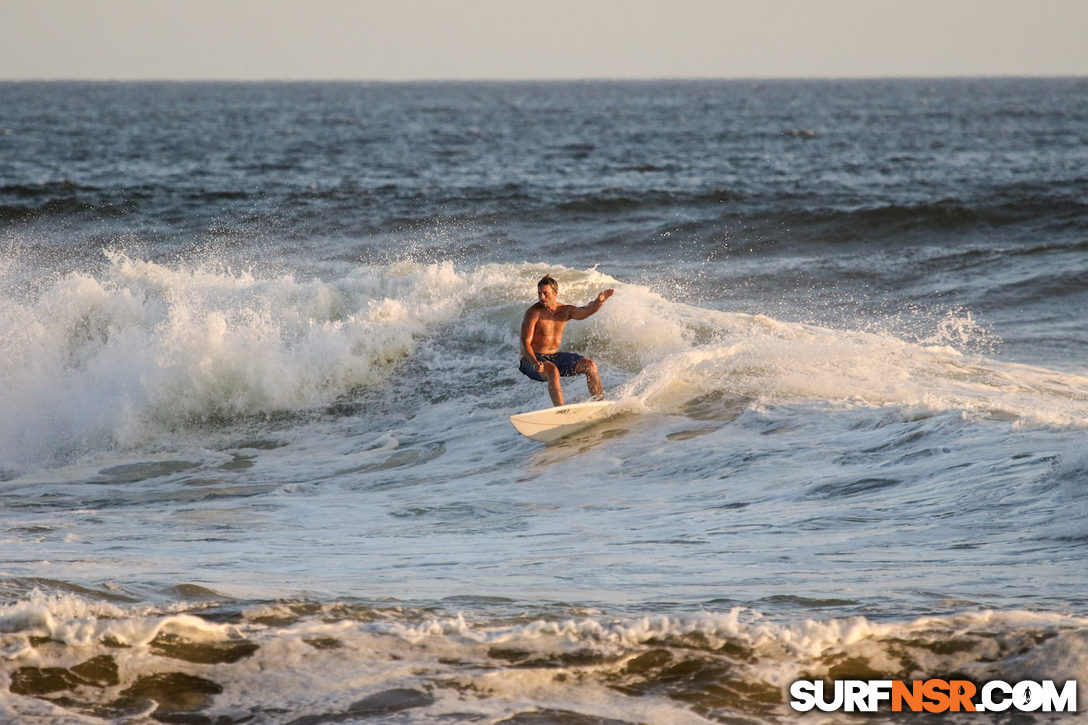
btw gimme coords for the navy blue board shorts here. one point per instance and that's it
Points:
(565, 361)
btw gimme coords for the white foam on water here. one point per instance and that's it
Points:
(95, 361)
(684, 352)
(332, 657)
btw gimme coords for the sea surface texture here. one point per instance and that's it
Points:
(259, 348)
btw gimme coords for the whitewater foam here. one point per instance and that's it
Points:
(143, 348)
(321, 659)
(757, 358)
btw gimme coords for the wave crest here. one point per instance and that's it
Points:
(99, 359)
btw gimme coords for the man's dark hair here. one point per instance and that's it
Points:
(547, 280)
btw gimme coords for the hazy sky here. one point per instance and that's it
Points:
(500, 39)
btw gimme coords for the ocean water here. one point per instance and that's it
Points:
(260, 348)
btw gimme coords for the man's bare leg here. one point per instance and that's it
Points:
(593, 378)
(555, 390)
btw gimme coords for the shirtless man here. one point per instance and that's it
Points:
(542, 334)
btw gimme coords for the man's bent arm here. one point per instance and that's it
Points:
(528, 325)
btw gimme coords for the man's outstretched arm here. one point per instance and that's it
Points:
(581, 313)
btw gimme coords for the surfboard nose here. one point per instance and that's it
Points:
(551, 424)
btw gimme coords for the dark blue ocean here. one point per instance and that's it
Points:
(260, 345)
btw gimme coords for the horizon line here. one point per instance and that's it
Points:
(530, 79)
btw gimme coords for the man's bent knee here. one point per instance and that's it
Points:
(586, 367)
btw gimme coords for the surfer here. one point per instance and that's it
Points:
(542, 334)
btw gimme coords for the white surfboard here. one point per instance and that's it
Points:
(551, 424)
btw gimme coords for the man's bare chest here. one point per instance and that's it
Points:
(548, 326)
